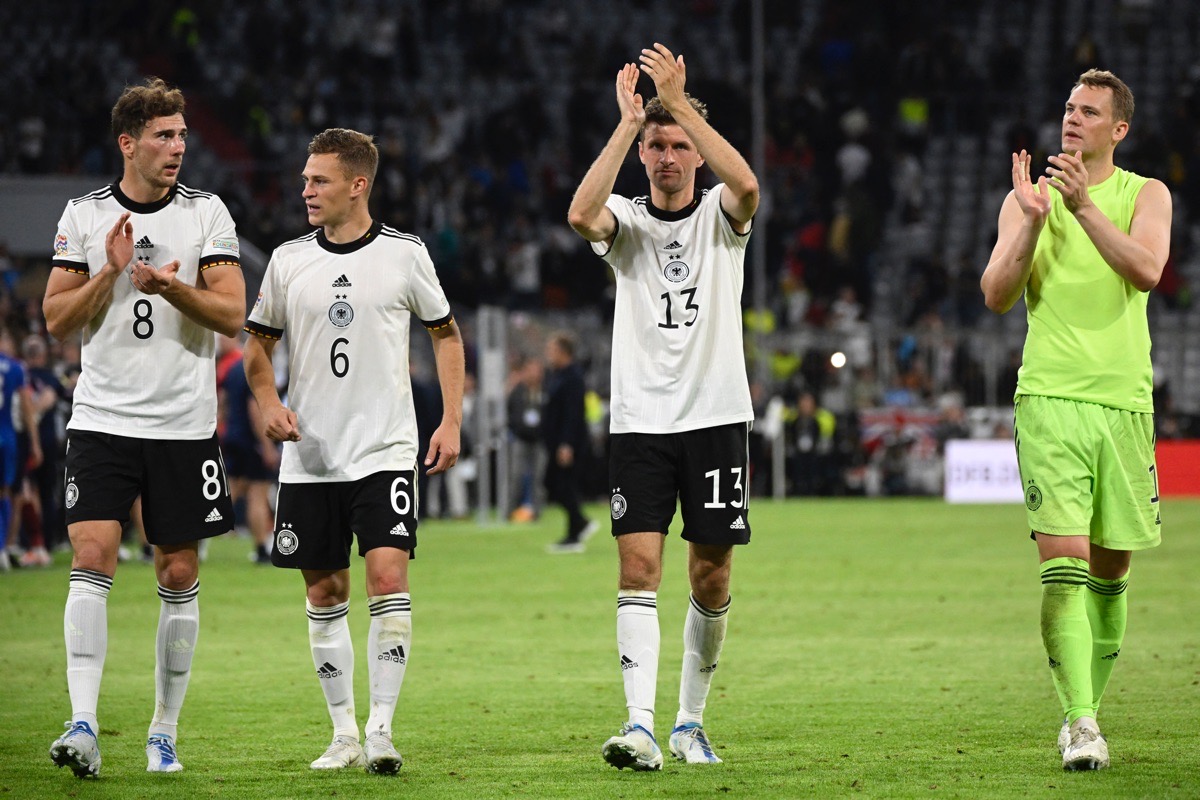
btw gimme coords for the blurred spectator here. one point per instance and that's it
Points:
(811, 460)
(524, 407)
(49, 397)
(565, 435)
(16, 403)
(251, 459)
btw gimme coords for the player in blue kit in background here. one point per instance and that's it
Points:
(14, 390)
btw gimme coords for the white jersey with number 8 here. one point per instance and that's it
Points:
(149, 372)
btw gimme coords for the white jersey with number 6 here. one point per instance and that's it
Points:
(345, 309)
(677, 359)
(148, 371)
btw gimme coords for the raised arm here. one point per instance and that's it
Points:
(446, 442)
(588, 215)
(1138, 256)
(279, 421)
(1022, 217)
(72, 300)
(218, 301)
(740, 196)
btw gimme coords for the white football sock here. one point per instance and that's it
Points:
(333, 656)
(175, 644)
(388, 642)
(637, 643)
(85, 628)
(703, 635)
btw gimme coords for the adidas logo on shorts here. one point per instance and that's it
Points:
(399, 530)
(214, 516)
(738, 524)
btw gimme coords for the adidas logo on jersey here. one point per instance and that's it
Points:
(399, 530)
(627, 662)
(738, 524)
(328, 670)
(144, 243)
(396, 654)
(214, 516)
(342, 282)
(675, 245)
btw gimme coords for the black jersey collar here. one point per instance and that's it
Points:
(142, 208)
(673, 216)
(349, 247)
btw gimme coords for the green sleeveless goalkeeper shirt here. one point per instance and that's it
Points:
(1088, 337)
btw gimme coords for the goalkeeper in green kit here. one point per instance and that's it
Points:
(1085, 243)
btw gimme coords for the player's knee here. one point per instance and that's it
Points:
(387, 584)
(94, 556)
(330, 591)
(710, 587)
(177, 574)
(640, 575)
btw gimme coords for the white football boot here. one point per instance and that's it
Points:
(382, 757)
(342, 752)
(1088, 748)
(633, 747)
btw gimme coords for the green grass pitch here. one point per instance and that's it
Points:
(876, 649)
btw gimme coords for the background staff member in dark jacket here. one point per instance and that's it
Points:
(564, 433)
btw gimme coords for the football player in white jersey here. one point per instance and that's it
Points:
(147, 269)
(680, 398)
(344, 295)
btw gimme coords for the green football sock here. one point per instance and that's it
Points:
(1107, 611)
(1067, 633)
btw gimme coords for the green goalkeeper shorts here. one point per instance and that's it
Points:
(1088, 470)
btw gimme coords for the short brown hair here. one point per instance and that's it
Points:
(139, 104)
(565, 341)
(657, 115)
(1122, 96)
(356, 151)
